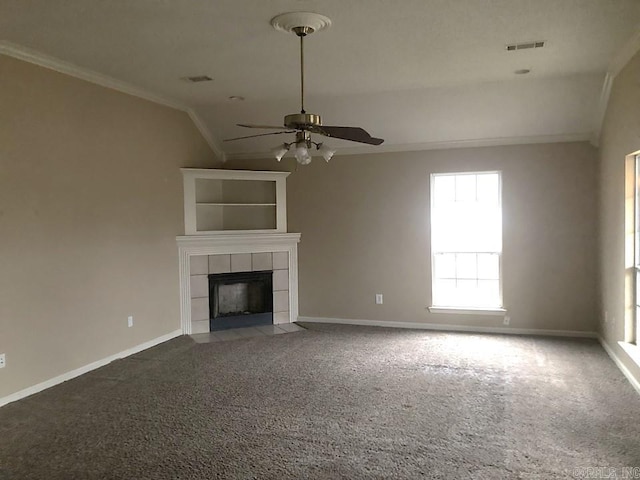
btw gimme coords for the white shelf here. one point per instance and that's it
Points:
(236, 204)
(222, 201)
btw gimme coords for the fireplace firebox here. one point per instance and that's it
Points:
(240, 299)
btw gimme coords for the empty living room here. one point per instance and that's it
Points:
(305, 239)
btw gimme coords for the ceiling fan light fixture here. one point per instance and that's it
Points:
(326, 152)
(304, 124)
(280, 151)
(301, 153)
(304, 160)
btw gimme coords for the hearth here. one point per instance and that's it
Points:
(240, 299)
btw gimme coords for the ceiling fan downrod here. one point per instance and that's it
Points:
(302, 32)
(304, 124)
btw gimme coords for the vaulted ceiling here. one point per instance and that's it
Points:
(418, 73)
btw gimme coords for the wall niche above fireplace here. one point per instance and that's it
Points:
(234, 201)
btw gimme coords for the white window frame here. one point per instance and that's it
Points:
(498, 309)
(631, 342)
(634, 328)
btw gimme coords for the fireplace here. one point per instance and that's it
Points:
(240, 299)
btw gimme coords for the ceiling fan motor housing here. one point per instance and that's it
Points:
(301, 120)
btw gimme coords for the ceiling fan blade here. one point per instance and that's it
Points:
(354, 134)
(258, 135)
(271, 127)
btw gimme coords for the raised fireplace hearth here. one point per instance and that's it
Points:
(240, 299)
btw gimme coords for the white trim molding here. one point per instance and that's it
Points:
(620, 59)
(206, 134)
(451, 328)
(67, 68)
(192, 245)
(87, 368)
(601, 109)
(635, 382)
(498, 312)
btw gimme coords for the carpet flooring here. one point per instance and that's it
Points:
(333, 402)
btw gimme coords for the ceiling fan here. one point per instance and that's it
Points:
(303, 124)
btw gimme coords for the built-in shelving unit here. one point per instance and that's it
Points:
(234, 201)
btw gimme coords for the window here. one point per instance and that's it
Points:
(634, 328)
(633, 228)
(466, 240)
(631, 342)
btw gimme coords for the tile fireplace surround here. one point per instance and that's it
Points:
(200, 255)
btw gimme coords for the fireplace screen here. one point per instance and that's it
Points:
(240, 299)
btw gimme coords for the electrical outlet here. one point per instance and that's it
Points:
(130, 321)
(606, 316)
(378, 299)
(507, 320)
(3, 360)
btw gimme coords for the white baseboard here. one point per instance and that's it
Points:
(635, 383)
(87, 368)
(451, 328)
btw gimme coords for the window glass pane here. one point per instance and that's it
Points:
(466, 292)
(488, 266)
(466, 265)
(637, 282)
(444, 189)
(445, 266)
(465, 188)
(488, 293)
(489, 188)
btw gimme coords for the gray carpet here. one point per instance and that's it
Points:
(332, 402)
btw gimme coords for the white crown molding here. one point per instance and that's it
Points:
(206, 134)
(52, 63)
(620, 59)
(601, 109)
(450, 328)
(87, 368)
(37, 58)
(417, 147)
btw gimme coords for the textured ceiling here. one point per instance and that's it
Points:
(415, 72)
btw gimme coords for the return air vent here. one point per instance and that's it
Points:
(199, 78)
(524, 46)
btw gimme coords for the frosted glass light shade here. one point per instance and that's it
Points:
(302, 154)
(280, 151)
(326, 152)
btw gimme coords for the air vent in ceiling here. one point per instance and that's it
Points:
(199, 78)
(524, 46)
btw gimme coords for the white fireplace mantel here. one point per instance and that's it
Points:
(226, 243)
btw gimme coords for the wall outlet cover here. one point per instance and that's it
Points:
(378, 299)
(3, 360)
(130, 321)
(507, 320)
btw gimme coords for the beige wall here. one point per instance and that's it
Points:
(620, 137)
(365, 230)
(90, 204)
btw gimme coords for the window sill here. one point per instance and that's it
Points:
(469, 311)
(632, 350)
